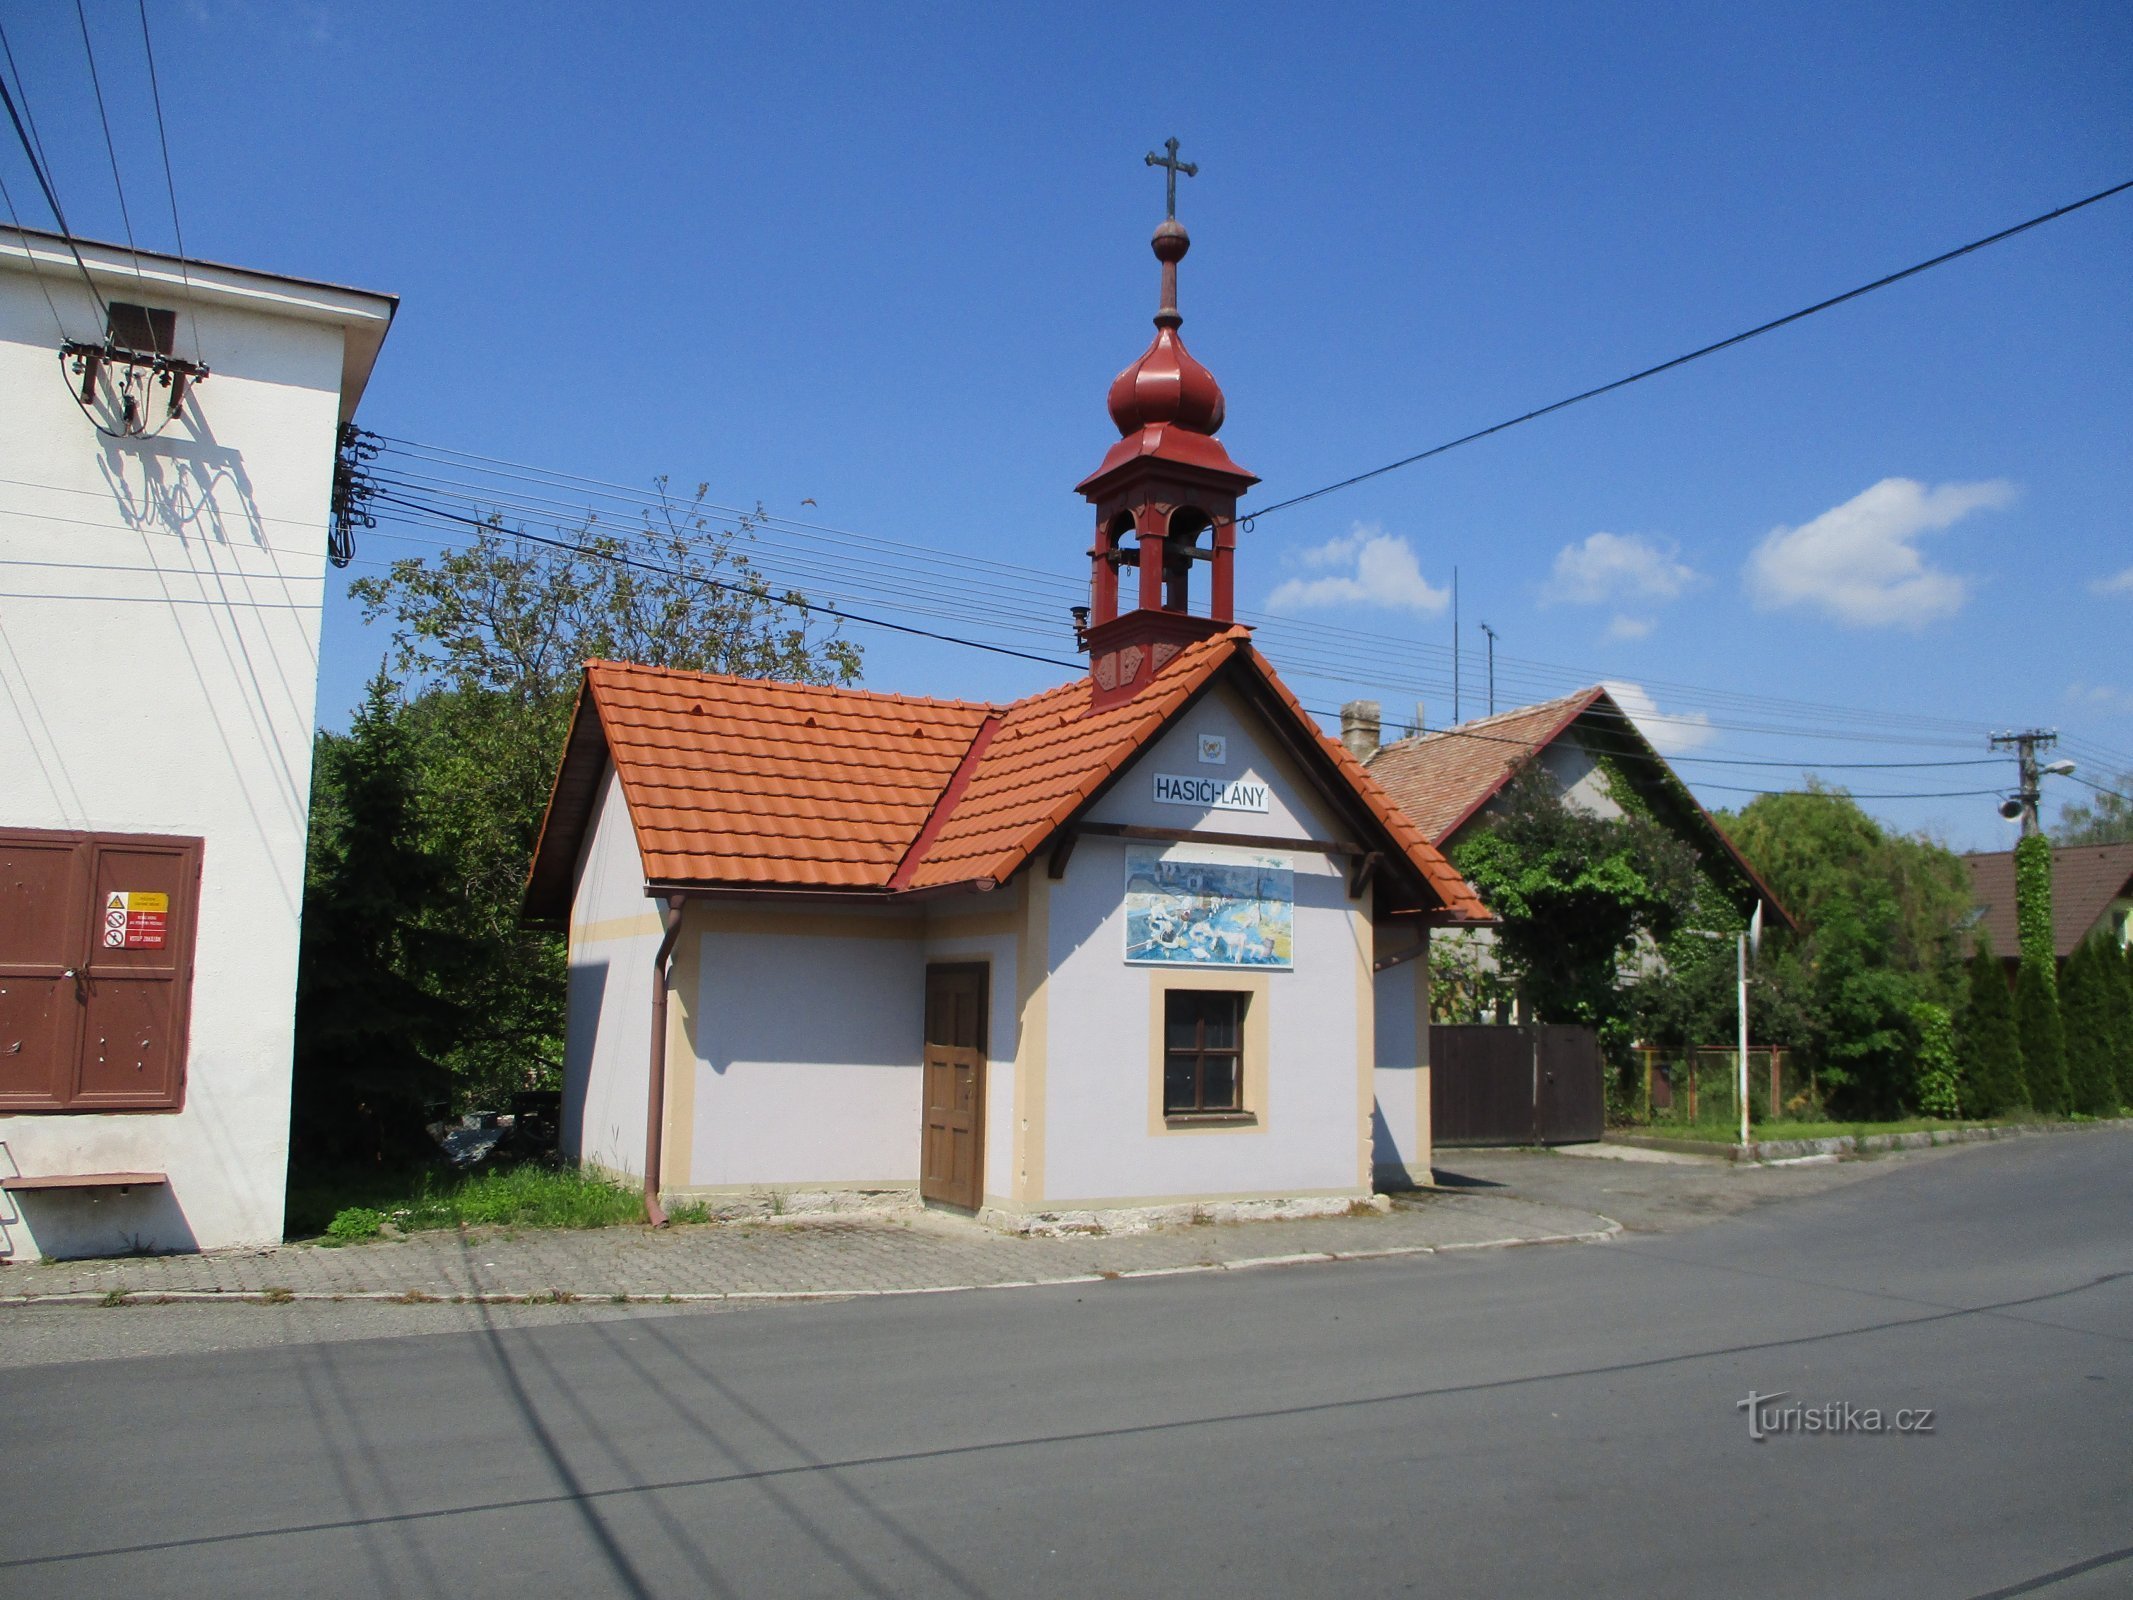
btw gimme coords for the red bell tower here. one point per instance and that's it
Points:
(1165, 495)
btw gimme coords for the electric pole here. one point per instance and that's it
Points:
(1455, 648)
(2025, 745)
(1491, 632)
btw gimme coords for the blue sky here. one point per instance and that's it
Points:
(888, 260)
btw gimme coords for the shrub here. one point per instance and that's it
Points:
(355, 1222)
(1987, 1044)
(1936, 1087)
(2043, 1038)
(2120, 969)
(2087, 1012)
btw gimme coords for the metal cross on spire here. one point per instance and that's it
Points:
(1170, 160)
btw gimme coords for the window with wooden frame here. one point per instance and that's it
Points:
(1203, 1052)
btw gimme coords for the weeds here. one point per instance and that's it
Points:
(528, 1196)
(276, 1296)
(113, 1297)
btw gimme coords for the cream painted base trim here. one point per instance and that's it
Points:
(1147, 1201)
(1401, 1175)
(724, 1191)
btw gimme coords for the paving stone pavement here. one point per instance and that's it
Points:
(902, 1253)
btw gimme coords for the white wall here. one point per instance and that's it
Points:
(805, 1031)
(1313, 1131)
(159, 636)
(1400, 1127)
(614, 933)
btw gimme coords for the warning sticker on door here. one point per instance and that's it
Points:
(136, 919)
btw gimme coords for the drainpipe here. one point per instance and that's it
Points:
(655, 1111)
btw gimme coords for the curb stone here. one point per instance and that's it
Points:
(150, 1297)
(1775, 1152)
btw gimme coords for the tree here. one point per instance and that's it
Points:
(1883, 916)
(1989, 1049)
(1574, 892)
(2087, 1011)
(2107, 819)
(492, 638)
(375, 1010)
(2043, 1038)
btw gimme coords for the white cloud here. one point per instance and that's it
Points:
(1671, 732)
(1624, 627)
(1612, 567)
(1858, 563)
(2102, 697)
(2117, 583)
(1370, 567)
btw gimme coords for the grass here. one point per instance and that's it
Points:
(350, 1206)
(1728, 1132)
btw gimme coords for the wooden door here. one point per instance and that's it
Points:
(952, 1164)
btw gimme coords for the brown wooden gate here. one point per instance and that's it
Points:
(1538, 1084)
(952, 1159)
(96, 955)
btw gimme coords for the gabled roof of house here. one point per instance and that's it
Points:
(1443, 779)
(738, 783)
(2086, 878)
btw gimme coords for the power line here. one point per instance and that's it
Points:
(1349, 654)
(33, 149)
(733, 588)
(170, 184)
(110, 146)
(1624, 750)
(1693, 355)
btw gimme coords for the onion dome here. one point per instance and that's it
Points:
(1166, 385)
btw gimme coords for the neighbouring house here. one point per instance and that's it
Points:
(1449, 781)
(2092, 892)
(1110, 946)
(170, 451)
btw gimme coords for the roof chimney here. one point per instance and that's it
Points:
(1359, 728)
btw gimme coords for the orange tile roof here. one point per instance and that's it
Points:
(742, 783)
(1441, 779)
(739, 780)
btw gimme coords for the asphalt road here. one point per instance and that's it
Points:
(1549, 1421)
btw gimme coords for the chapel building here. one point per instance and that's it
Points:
(1143, 940)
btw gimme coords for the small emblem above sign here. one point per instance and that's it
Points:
(1211, 794)
(1214, 749)
(136, 919)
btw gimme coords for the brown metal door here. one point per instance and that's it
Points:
(952, 1167)
(44, 910)
(137, 974)
(96, 945)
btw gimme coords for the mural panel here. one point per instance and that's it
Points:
(1209, 906)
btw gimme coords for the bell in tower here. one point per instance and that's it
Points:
(1165, 496)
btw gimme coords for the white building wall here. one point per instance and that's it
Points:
(798, 1060)
(614, 933)
(1101, 1142)
(1400, 1127)
(159, 637)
